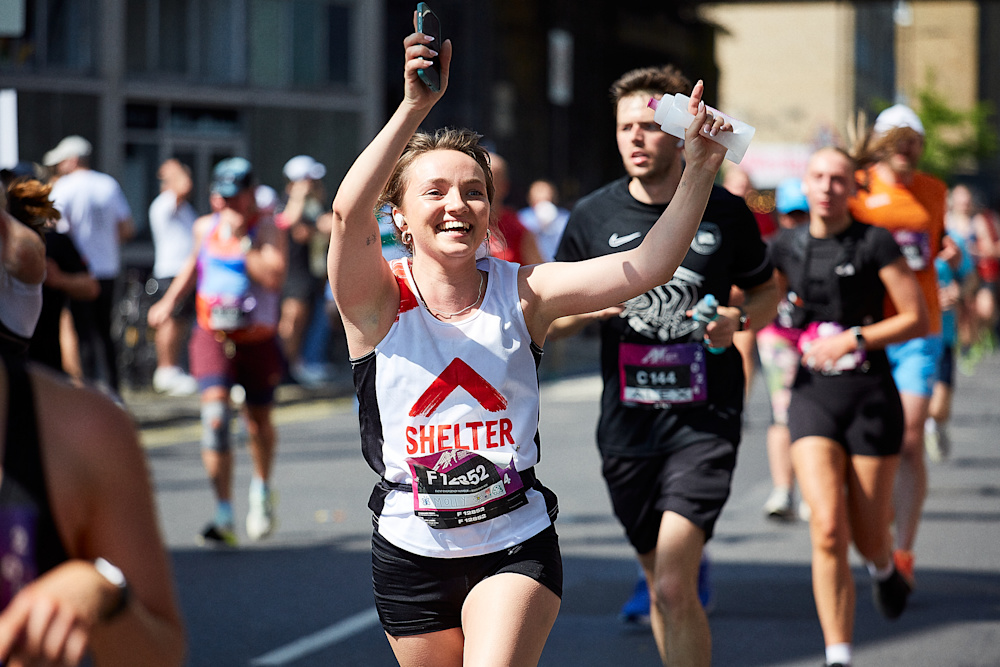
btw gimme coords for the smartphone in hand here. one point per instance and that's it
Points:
(429, 24)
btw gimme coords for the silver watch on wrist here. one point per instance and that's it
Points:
(859, 339)
(115, 576)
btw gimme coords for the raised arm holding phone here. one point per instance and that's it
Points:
(445, 349)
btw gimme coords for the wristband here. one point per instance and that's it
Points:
(115, 576)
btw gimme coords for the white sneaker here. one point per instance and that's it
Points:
(779, 505)
(936, 440)
(260, 518)
(173, 381)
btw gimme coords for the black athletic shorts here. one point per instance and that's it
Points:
(860, 411)
(946, 366)
(693, 481)
(415, 594)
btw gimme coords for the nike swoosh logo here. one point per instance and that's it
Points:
(616, 241)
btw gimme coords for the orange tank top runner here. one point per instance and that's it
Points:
(915, 216)
(227, 301)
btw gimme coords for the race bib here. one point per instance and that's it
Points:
(662, 375)
(17, 551)
(849, 362)
(916, 248)
(229, 313)
(457, 488)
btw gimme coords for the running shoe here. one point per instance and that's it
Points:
(260, 518)
(890, 595)
(173, 381)
(779, 505)
(705, 594)
(636, 608)
(904, 561)
(218, 535)
(936, 440)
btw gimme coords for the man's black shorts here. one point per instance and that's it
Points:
(693, 481)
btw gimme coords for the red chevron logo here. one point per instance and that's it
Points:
(458, 374)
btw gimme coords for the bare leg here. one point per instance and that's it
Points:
(442, 648)
(218, 464)
(680, 626)
(821, 468)
(506, 620)
(869, 506)
(262, 439)
(779, 456)
(911, 479)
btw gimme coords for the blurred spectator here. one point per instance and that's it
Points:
(517, 245)
(974, 228)
(66, 273)
(98, 218)
(22, 265)
(895, 195)
(303, 293)
(777, 349)
(544, 218)
(171, 219)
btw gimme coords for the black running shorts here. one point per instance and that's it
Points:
(860, 411)
(693, 481)
(415, 594)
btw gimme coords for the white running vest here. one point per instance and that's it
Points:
(471, 384)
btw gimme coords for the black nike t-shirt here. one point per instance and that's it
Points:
(727, 250)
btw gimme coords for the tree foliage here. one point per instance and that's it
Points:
(956, 142)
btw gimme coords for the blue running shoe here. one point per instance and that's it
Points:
(705, 584)
(636, 609)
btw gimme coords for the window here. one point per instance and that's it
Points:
(58, 34)
(300, 43)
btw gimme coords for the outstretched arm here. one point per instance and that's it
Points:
(103, 507)
(557, 289)
(362, 283)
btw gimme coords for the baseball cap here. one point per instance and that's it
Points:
(71, 146)
(231, 175)
(898, 115)
(302, 167)
(788, 196)
(266, 197)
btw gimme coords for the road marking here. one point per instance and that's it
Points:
(319, 640)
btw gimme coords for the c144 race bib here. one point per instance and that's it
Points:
(662, 375)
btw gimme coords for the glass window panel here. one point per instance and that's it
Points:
(216, 24)
(306, 49)
(69, 29)
(268, 57)
(20, 52)
(339, 44)
(136, 25)
(173, 36)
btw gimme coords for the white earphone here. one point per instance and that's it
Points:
(398, 219)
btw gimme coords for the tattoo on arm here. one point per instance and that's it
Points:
(371, 239)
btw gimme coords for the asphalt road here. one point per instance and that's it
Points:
(303, 598)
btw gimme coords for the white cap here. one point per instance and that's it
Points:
(266, 198)
(898, 115)
(302, 167)
(71, 146)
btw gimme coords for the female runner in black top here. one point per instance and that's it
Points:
(845, 417)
